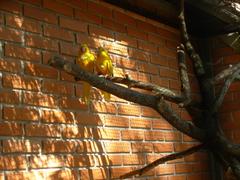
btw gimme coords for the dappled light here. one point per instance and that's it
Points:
(47, 129)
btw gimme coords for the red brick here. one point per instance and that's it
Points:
(78, 4)
(184, 168)
(133, 160)
(39, 99)
(154, 135)
(110, 24)
(140, 123)
(34, 2)
(58, 7)
(58, 33)
(128, 109)
(139, 55)
(163, 147)
(104, 107)
(148, 68)
(172, 136)
(101, 33)
(61, 174)
(137, 33)
(99, 9)
(59, 146)
(147, 27)
(132, 134)
(10, 65)
(116, 49)
(72, 103)
(159, 60)
(41, 42)
(125, 63)
(57, 87)
(112, 160)
(13, 162)
(10, 6)
(125, 40)
(11, 35)
(23, 23)
(46, 161)
(232, 59)
(149, 112)
(183, 146)
(118, 171)
(69, 49)
(142, 147)
(172, 44)
(169, 74)
(161, 124)
(79, 161)
(57, 116)
(27, 175)
(88, 16)
(75, 131)
(157, 39)
(146, 46)
(106, 133)
(165, 169)
(22, 53)
(9, 97)
(90, 147)
(74, 25)
(40, 15)
(93, 174)
(117, 147)
(166, 34)
(21, 146)
(116, 121)
(11, 129)
(124, 18)
(21, 82)
(162, 82)
(41, 70)
(42, 130)
(88, 119)
(167, 52)
(20, 114)
(179, 177)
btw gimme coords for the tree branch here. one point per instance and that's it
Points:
(227, 83)
(197, 62)
(226, 73)
(186, 90)
(187, 127)
(163, 160)
(161, 91)
(156, 102)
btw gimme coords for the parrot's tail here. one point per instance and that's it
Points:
(106, 95)
(86, 92)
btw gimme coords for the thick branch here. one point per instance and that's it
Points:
(186, 90)
(173, 118)
(224, 89)
(103, 84)
(162, 160)
(197, 62)
(155, 102)
(226, 73)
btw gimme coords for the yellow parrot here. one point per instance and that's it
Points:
(86, 60)
(104, 67)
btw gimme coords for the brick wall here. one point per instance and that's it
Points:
(45, 129)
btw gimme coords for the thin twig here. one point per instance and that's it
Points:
(163, 160)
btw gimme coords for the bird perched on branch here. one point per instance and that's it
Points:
(86, 60)
(104, 67)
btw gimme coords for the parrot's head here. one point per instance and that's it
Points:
(101, 49)
(84, 48)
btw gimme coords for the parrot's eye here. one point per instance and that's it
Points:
(83, 49)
